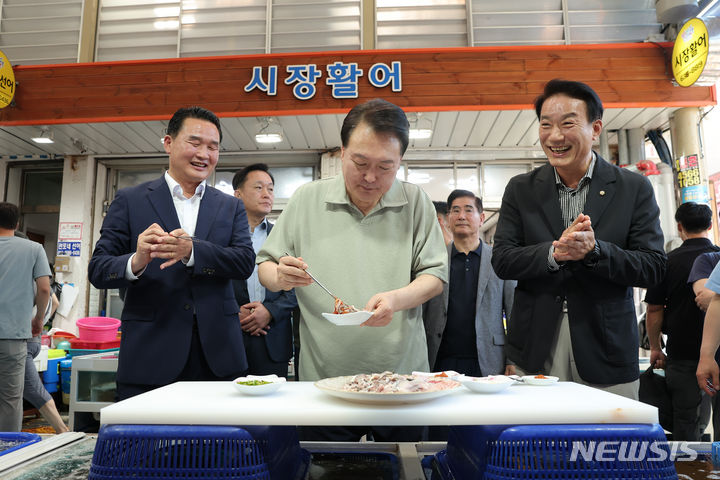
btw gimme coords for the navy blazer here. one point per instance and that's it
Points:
(601, 311)
(157, 318)
(280, 304)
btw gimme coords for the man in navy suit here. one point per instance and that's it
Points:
(577, 234)
(265, 316)
(175, 244)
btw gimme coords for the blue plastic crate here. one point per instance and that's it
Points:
(52, 373)
(555, 451)
(11, 441)
(715, 453)
(198, 451)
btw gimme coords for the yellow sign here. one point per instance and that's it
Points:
(690, 52)
(7, 81)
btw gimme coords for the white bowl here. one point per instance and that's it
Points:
(533, 380)
(345, 319)
(445, 373)
(490, 384)
(265, 389)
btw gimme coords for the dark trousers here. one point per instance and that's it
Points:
(466, 366)
(690, 412)
(196, 369)
(258, 357)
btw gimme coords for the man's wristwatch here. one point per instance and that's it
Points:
(593, 256)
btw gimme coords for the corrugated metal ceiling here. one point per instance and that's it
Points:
(498, 133)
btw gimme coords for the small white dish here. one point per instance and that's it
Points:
(265, 389)
(489, 384)
(533, 380)
(447, 373)
(345, 319)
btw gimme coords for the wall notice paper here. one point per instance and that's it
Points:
(67, 299)
(70, 231)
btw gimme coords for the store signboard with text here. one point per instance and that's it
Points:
(70, 249)
(690, 52)
(692, 188)
(316, 83)
(341, 78)
(7, 81)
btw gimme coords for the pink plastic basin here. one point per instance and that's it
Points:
(98, 329)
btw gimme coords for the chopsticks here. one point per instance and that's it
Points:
(316, 280)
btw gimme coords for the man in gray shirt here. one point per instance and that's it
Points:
(21, 262)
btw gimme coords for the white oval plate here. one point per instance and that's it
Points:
(490, 384)
(268, 388)
(345, 319)
(333, 386)
(531, 380)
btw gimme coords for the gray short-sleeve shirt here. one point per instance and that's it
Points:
(21, 262)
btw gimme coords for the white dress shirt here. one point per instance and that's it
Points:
(256, 292)
(187, 212)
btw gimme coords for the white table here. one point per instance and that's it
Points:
(301, 403)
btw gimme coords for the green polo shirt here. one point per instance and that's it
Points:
(357, 256)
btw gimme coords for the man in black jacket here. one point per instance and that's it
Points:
(577, 233)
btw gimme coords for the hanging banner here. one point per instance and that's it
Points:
(690, 52)
(7, 81)
(692, 189)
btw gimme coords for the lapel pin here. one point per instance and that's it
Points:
(602, 193)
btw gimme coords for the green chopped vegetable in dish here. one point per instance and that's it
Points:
(254, 382)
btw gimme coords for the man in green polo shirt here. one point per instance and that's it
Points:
(372, 240)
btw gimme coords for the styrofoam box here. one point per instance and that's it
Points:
(41, 361)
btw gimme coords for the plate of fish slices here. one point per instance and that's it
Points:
(387, 387)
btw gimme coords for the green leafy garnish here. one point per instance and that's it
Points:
(254, 382)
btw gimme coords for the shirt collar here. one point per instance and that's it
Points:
(588, 174)
(698, 241)
(478, 251)
(337, 193)
(177, 191)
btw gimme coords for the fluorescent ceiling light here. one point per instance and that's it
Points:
(268, 138)
(420, 133)
(269, 131)
(45, 136)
